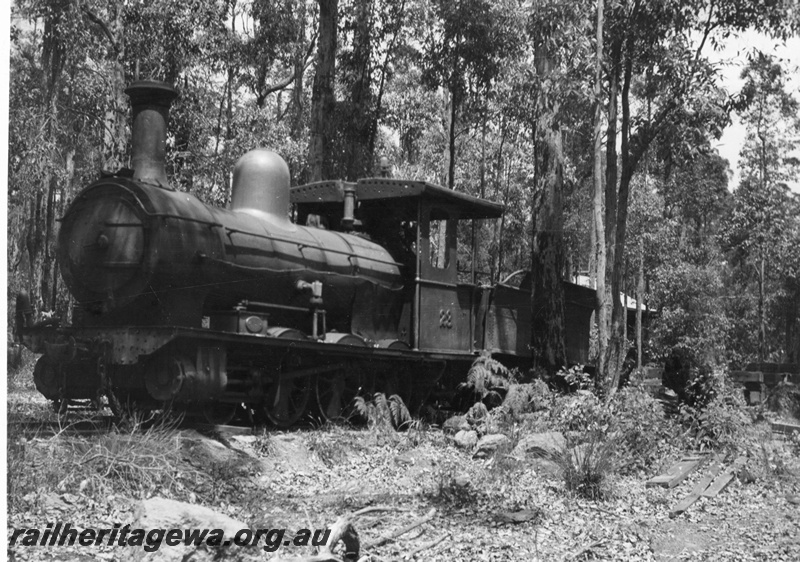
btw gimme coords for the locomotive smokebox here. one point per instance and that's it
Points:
(261, 184)
(150, 103)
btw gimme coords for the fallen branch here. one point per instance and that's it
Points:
(343, 531)
(376, 508)
(582, 550)
(426, 546)
(596, 508)
(390, 537)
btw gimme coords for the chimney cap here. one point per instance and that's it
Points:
(151, 92)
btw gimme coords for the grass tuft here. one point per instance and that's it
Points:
(587, 467)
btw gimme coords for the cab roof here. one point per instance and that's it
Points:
(403, 196)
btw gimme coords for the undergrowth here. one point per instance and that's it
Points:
(586, 466)
(453, 487)
(382, 412)
(718, 418)
(139, 463)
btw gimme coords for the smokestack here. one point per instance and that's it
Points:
(150, 102)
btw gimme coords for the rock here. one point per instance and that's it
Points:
(489, 444)
(162, 513)
(539, 444)
(290, 453)
(414, 457)
(202, 451)
(466, 439)
(520, 516)
(462, 480)
(455, 424)
(676, 541)
(543, 467)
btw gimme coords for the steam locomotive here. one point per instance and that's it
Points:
(211, 309)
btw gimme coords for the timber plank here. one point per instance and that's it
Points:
(699, 488)
(721, 481)
(747, 376)
(676, 473)
(785, 427)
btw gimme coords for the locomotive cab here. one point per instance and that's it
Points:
(417, 223)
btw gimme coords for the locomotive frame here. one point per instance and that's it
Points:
(206, 308)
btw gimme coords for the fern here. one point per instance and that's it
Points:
(360, 407)
(382, 412)
(400, 414)
(486, 375)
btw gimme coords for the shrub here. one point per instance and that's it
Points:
(632, 418)
(454, 488)
(580, 412)
(784, 399)
(525, 398)
(137, 463)
(587, 466)
(643, 432)
(575, 378)
(723, 420)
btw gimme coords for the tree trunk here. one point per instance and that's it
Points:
(451, 144)
(639, 304)
(598, 215)
(298, 62)
(322, 94)
(547, 256)
(616, 345)
(762, 331)
(361, 110)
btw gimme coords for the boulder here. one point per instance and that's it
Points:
(162, 513)
(466, 439)
(455, 424)
(489, 444)
(539, 444)
(477, 414)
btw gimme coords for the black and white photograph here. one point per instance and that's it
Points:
(401, 280)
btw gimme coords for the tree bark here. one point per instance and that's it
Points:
(547, 257)
(616, 346)
(299, 63)
(598, 204)
(322, 94)
(639, 305)
(361, 110)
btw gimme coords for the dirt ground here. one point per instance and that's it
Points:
(486, 509)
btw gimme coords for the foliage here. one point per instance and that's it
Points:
(586, 467)
(383, 413)
(636, 423)
(575, 377)
(139, 463)
(487, 377)
(718, 417)
(784, 400)
(643, 433)
(522, 398)
(453, 487)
